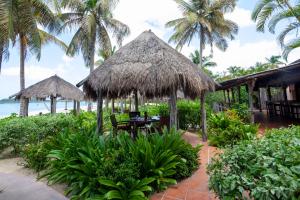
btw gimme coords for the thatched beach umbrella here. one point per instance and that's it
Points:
(152, 68)
(52, 87)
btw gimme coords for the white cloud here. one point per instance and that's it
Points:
(34, 72)
(241, 16)
(141, 15)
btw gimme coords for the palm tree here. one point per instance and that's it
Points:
(203, 19)
(206, 63)
(93, 21)
(274, 62)
(271, 12)
(21, 26)
(104, 55)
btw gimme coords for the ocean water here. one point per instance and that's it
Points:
(6, 109)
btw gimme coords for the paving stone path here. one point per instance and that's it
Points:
(196, 186)
(17, 187)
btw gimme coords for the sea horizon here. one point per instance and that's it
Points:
(36, 107)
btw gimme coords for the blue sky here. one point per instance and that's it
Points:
(248, 48)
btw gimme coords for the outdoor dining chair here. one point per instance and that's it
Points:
(119, 125)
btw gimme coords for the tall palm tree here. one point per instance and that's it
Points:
(93, 21)
(21, 25)
(271, 12)
(203, 19)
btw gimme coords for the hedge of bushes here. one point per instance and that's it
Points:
(265, 168)
(17, 132)
(227, 128)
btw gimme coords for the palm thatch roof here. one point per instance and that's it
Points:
(150, 66)
(52, 86)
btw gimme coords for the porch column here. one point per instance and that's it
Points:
(53, 104)
(239, 94)
(99, 112)
(74, 105)
(224, 93)
(136, 101)
(228, 96)
(203, 117)
(250, 94)
(232, 94)
(284, 93)
(173, 109)
(269, 93)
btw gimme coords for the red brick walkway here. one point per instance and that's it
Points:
(196, 186)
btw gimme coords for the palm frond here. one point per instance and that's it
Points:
(290, 47)
(281, 37)
(47, 38)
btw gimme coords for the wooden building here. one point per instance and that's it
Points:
(276, 90)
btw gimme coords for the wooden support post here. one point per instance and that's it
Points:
(112, 105)
(26, 105)
(232, 94)
(228, 96)
(78, 107)
(99, 112)
(269, 94)
(173, 109)
(136, 101)
(284, 92)
(130, 108)
(224, 93)
(74, 105)
(239, 94)
(53, 104)
(203, 117)
(250, 94)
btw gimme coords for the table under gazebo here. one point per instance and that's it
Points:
(151, 68)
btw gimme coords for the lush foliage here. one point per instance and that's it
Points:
(108, 167)
(188, 112)
(226, 128)
(266, 168)
(17, 132)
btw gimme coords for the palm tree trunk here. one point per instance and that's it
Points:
(1, 55)
(201, 37)
(92, 63)
(22, 73)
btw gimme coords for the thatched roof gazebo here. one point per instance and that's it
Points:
(52, 87)
(150, 67)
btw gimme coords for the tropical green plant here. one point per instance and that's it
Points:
(20, 23)
(103, 167)
(227, 128)
(271, 12)
(264, 168)
(203, 19)
(120, 191)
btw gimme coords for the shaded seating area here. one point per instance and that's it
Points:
(151, 68)
(277, 91)
(54, 88)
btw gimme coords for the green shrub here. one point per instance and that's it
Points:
(17, 132)
(82, 160)
(266, 168)
(226, 128)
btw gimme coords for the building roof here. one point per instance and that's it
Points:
(52, 86)
(150, 66)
